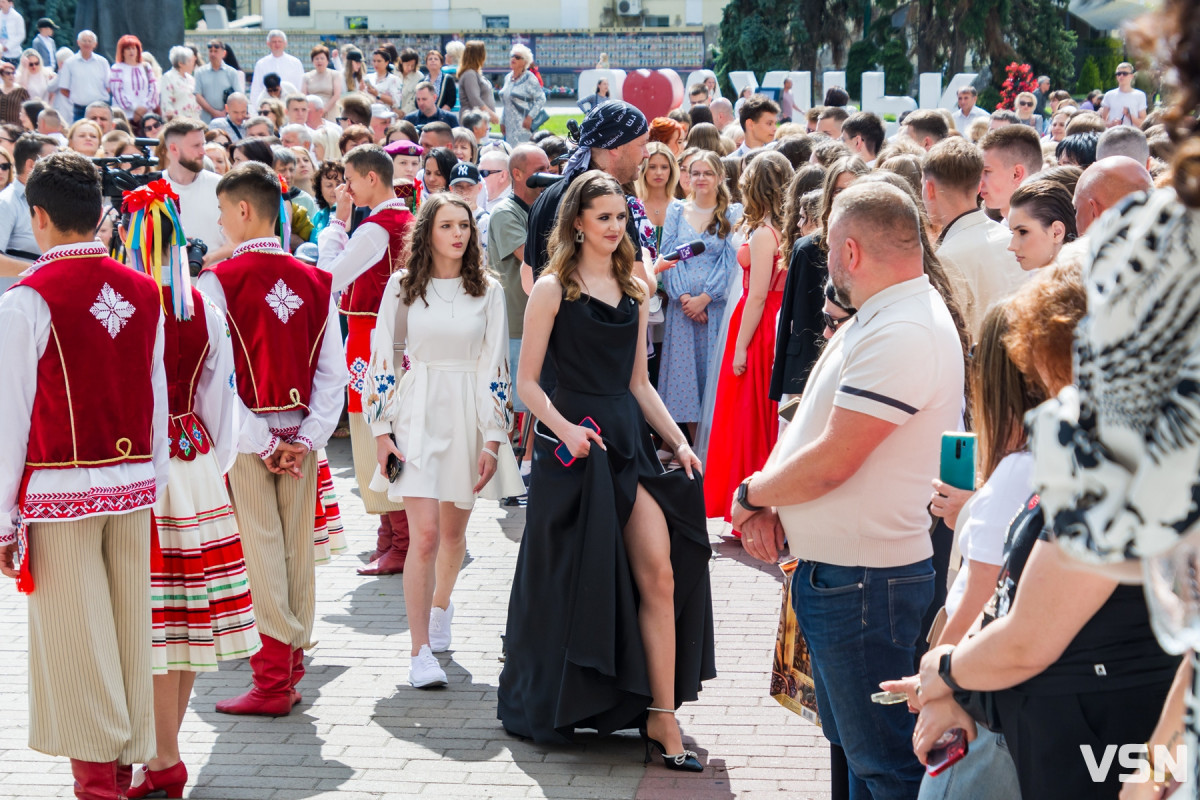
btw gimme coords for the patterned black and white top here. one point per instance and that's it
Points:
(1118, 454)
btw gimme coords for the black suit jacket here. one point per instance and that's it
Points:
(798, 338)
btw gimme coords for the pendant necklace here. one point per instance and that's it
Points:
(433, 285)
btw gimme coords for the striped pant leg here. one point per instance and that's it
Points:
(295, 498)
(362, 445)
(91, 695)
(275, 518)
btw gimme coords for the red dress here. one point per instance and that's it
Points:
(745, 420)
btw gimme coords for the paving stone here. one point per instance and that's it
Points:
(363, 734)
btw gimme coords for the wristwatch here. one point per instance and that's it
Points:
(742, 496)
(944, 672)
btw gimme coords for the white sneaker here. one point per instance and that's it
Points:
(424, 672)
(439, 628)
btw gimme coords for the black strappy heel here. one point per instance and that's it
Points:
(687, 761)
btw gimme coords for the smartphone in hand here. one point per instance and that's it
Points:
(564, 453)
(394, 465)
(948, 750)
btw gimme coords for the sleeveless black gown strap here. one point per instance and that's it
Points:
(574, 650)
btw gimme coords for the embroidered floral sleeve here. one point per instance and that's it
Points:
(642, 221)
(381, 376)
(494, 395)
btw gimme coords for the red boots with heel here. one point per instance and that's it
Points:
(391, 561)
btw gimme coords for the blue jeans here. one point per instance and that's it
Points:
(862, 626)
(514, 358)
(986, 772)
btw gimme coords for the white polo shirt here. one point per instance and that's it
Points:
(898, 360)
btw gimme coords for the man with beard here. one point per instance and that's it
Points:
(196, 187)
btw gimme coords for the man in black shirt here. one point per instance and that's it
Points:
(613, 139)
(427, 110)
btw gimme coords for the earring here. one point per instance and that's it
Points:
(579, 236)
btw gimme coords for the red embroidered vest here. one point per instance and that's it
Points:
(277, 309)
(185, 348)
(364, 295)
(94, 404)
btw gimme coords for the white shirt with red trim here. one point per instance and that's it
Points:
(347, 257)
(78, 492)
(261, 433)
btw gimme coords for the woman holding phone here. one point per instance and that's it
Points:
(610, 618)
(437, 400)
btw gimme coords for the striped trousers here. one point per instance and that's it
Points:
(362, 445)
(90, 692)
(275, 517)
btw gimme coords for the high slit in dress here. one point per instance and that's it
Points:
(574, 649)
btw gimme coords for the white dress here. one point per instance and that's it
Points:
(454, 397)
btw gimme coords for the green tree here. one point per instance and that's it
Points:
(1039, 37)
(762, 35)
(1089, 76)
(61, 11)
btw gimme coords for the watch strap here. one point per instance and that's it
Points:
(944, 672)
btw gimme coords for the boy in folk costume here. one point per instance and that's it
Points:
(290, 377)
(83, 457)
(200, 594)
(361, 265)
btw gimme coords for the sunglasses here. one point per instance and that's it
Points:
(1123, 73)
(1025, 104)
(832, 322)
(5, 167)
(484, 173)
(151, 126)
(340, 120)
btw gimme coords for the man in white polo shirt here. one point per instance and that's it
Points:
(278, 62)
(848, 483)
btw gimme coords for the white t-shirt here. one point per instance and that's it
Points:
(198, 209)
(1118, 103)
(984, 520)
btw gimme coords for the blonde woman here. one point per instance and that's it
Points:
(35, 76)
(446, 417)
(1025, 107)
(523, 97)
(698, 287)
(744, 426)
(84, 138)
(612, 543)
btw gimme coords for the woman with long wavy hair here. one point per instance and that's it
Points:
(744, 426)
(610, 617)
(437, 400)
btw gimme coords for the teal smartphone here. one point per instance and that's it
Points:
(958, 460)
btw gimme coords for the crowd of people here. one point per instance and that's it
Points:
(737, 311)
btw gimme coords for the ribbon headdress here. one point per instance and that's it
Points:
(154, 251)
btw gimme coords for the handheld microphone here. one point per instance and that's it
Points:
(685, 251)
(540, 180)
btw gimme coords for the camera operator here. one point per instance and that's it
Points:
(17, 245)
(196, 187)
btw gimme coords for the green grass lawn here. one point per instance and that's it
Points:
(557, 125)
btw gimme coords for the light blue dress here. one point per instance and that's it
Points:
(687, 345)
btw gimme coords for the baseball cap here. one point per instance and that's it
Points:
(380, 111)
(464, 173)
(46, 22)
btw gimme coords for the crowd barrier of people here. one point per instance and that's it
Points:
(631, 331)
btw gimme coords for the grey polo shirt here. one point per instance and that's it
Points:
(211, 84)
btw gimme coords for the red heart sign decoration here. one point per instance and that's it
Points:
(654, 93)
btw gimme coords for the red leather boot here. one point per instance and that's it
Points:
(392, 562)
(124, 778)
(297, 674)
(271, 695)
(383, 538)
(95, 780)
(170, 780)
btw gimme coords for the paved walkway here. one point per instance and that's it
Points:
(362, 732)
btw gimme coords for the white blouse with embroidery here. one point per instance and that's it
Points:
(455, 395)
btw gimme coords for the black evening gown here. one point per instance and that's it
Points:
(574, 650)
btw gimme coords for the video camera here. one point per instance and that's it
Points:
(115, 174)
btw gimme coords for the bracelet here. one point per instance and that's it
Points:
(490, 453)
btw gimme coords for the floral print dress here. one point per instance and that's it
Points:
(453, 397)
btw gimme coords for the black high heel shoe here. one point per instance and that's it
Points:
(687, 761)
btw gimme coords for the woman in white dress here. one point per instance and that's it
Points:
(450, 412)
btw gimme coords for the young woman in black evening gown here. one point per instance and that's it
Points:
(610, 618)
